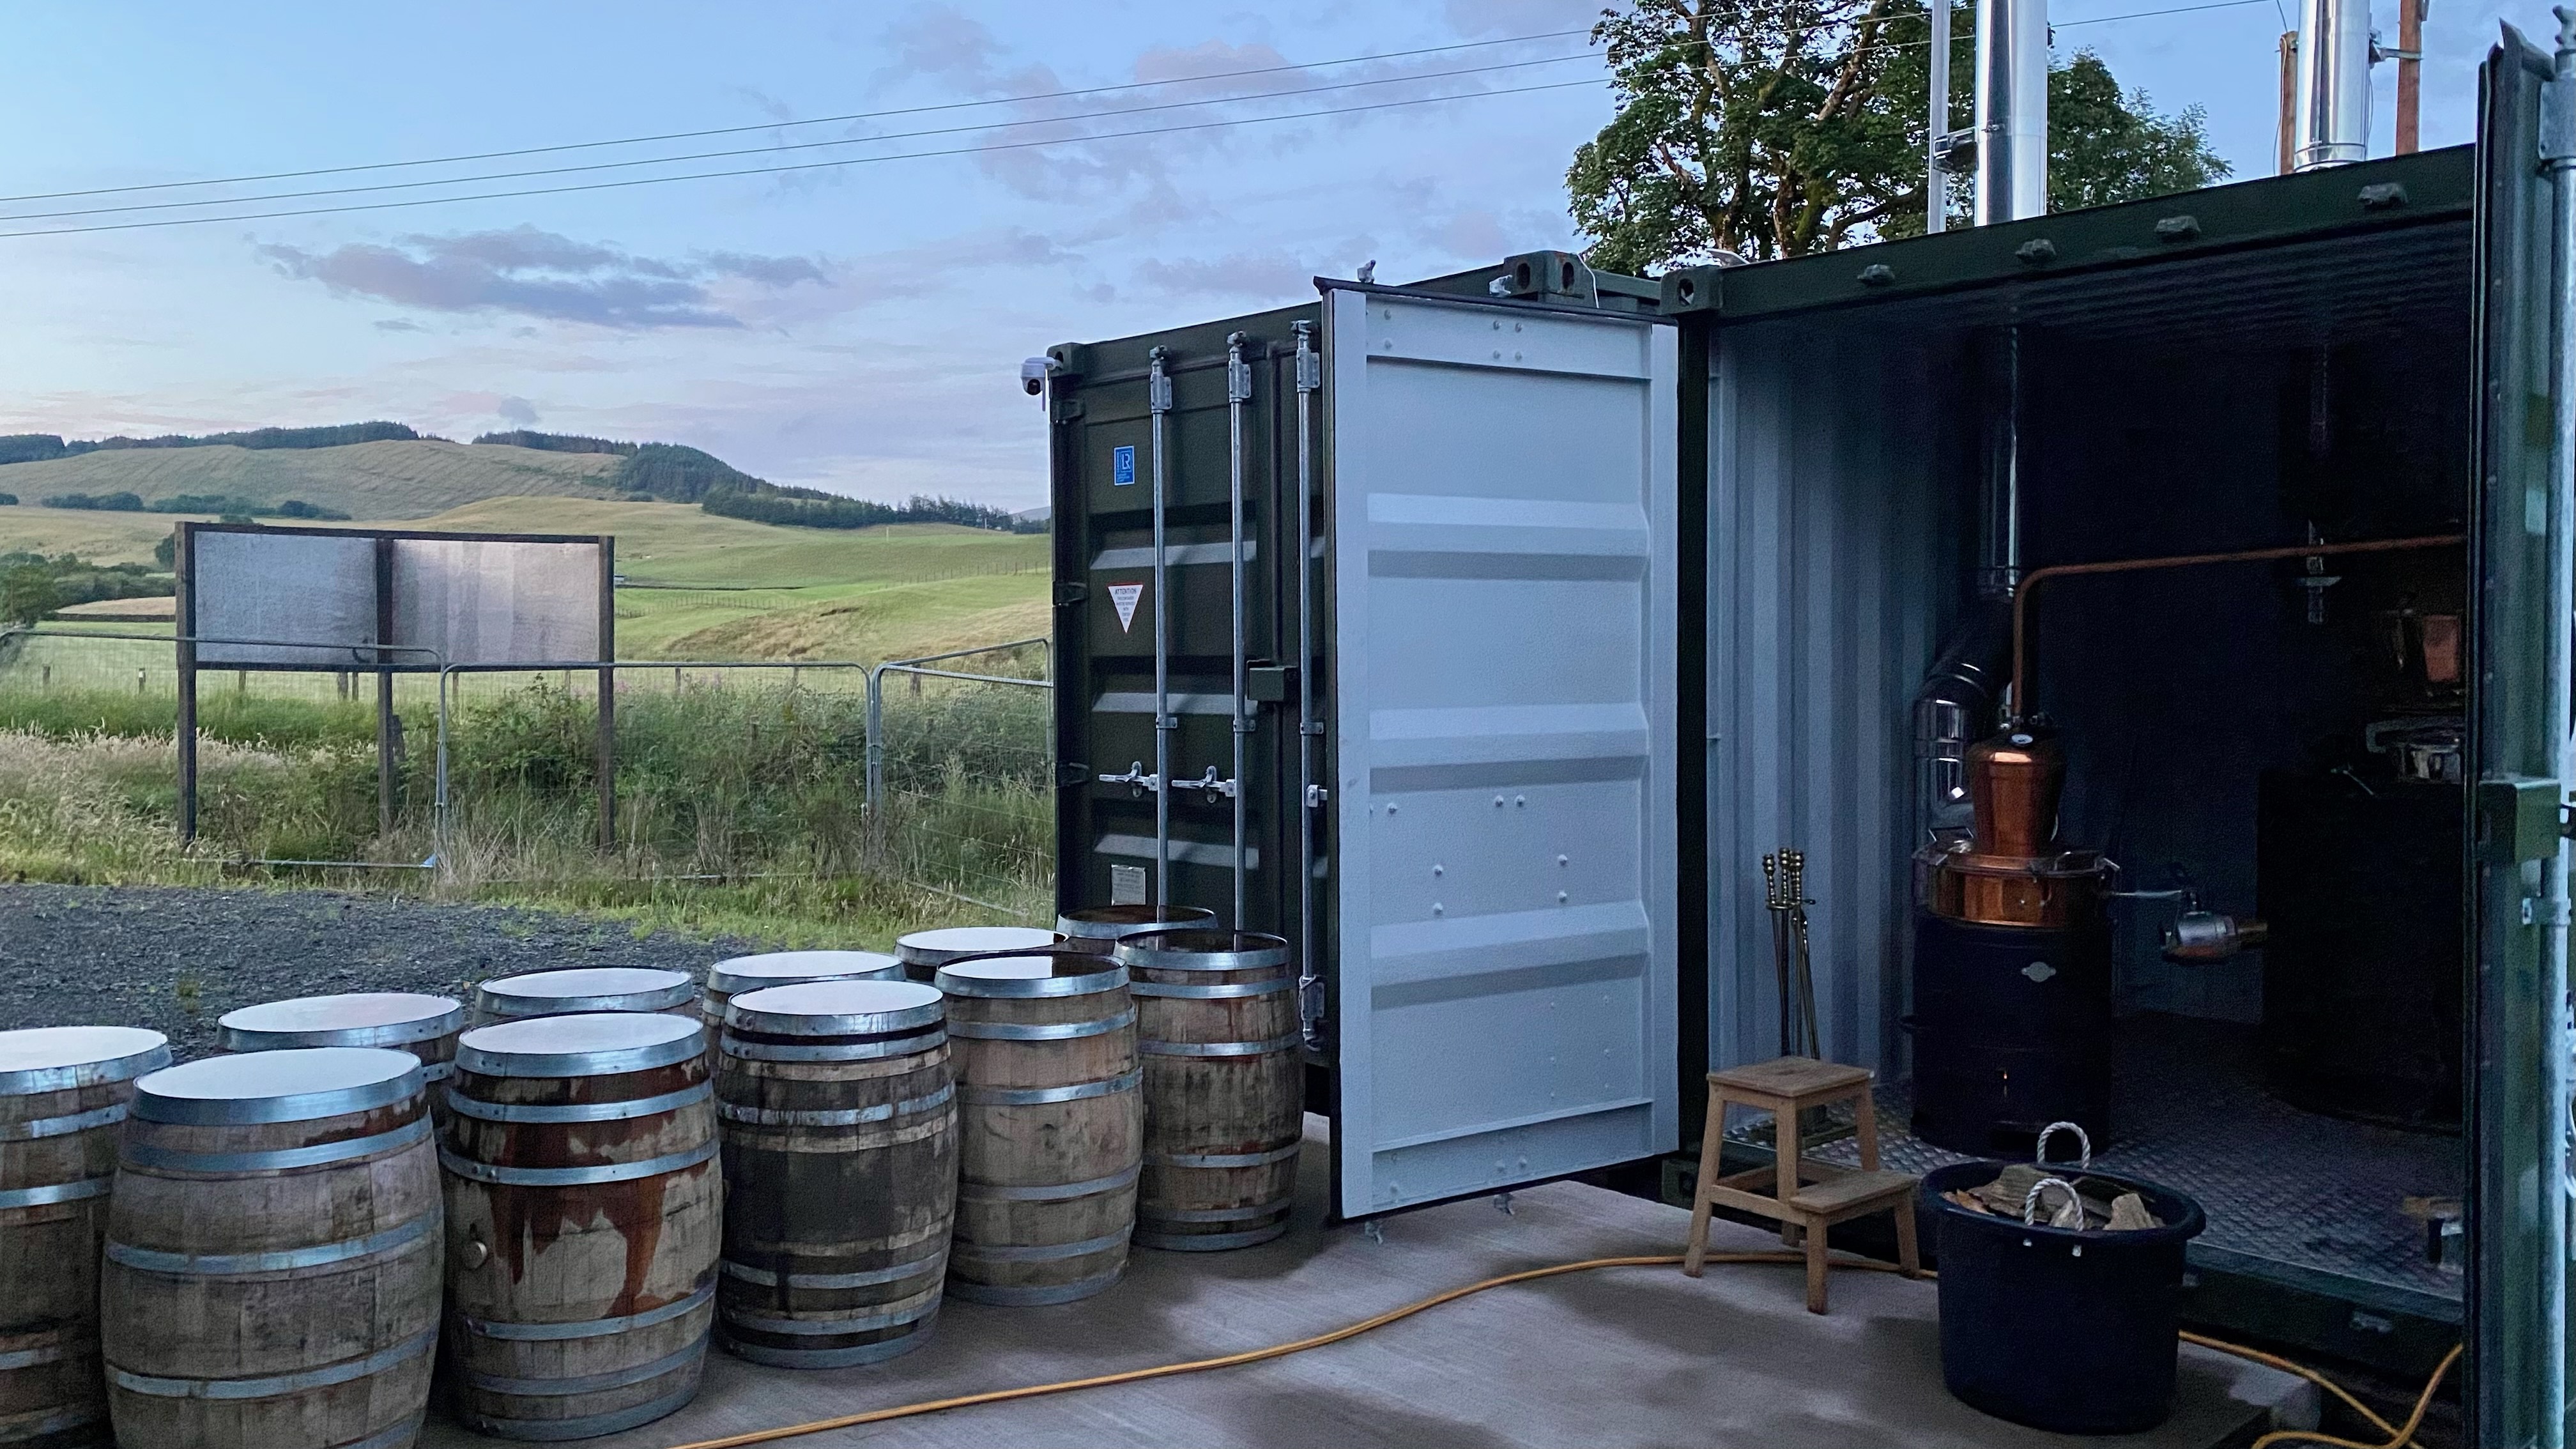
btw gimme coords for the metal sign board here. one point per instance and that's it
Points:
(1504, 556)
(495, 601)
(264, 585)
(468, 598)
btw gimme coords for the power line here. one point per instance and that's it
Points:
(779, 125)
(790, 146)
(799, 166)
(2150, 14)
(1958, 36)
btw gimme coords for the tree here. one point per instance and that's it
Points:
(1779, 129)
(27, 594)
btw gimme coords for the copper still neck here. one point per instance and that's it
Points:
(2012, 872)
(2014, 780)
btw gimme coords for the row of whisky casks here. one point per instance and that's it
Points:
(267, 1247)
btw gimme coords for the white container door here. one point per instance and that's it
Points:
(1502, 703)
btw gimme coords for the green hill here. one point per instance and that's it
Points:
(382, 480)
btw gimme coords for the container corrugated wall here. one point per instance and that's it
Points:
(1831, 572)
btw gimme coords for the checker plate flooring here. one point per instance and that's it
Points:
(2285, 1186)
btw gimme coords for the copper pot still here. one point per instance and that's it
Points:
(2015, 778)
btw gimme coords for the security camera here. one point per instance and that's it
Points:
(1033, 375)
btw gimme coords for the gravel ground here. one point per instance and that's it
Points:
(175, 959)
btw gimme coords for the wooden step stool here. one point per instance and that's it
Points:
(1806, 1197)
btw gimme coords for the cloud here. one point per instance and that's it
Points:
(1237, 274)
(1521, 17)
(517, 410)
(536, 273)
(399, 324)
(1207, 58)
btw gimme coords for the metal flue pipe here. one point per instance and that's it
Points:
(2012, 110)
(2332, 117)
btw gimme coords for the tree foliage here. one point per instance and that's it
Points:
(548, 442)
(27, 594)
(1779, 129)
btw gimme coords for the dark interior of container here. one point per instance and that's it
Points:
(2218, 720)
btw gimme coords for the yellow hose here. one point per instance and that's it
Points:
(2398, 1436)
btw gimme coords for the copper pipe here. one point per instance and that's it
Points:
(2031, 581)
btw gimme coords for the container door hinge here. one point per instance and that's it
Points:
(1068, 410)
(1069, 592)
(2558, 120)
(1316, 795)
(2520, 817)
(2544, 910)
(1069, 773)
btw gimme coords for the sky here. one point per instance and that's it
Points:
(852, 327)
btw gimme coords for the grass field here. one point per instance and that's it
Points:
(697, 586)
(739, 807)
(107, 538)
(386, 480)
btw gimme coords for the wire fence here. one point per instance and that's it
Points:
(937, 774)
(55, 663)
(962, 776)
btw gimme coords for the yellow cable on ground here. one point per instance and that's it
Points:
(2274, 1361)
(874, 1416)
(2398, 1436)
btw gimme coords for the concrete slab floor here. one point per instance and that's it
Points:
(1624, 1356)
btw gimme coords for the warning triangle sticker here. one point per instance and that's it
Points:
(1125, 597)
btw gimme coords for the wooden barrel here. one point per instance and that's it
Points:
(584, 1215)
(840, 1153)
(406, 1021)
(1225, 1087)
(591, 988)
(1100, 928)
(272, 1267)
(924, 952)
(1049, 1125)
(736, 975)
(63, 1090)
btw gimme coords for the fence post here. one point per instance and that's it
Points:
(875, 803)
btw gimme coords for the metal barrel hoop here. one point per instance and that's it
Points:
(1110, 977)
(763, 1051)
(625, 1111)
(1039, 1096)
(283, 1159)
(1051, 1031)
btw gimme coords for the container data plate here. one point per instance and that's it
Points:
(1504, 577)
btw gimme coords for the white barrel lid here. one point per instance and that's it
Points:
(933, 948)
(58, 1058)
(587, 1044)
(1108, 923)
(1057, 973)
(295, 1085)
(588, 988)
(781, 968)
(355, 1018)
(837, 1008)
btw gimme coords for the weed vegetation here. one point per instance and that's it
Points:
(738, 808)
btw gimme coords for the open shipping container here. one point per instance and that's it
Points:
(1608, 590)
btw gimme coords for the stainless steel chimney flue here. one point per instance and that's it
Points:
(2333, 103)
(2012, 109)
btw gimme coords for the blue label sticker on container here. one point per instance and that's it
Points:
(1122, 466)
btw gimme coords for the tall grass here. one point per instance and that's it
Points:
(734, 805)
